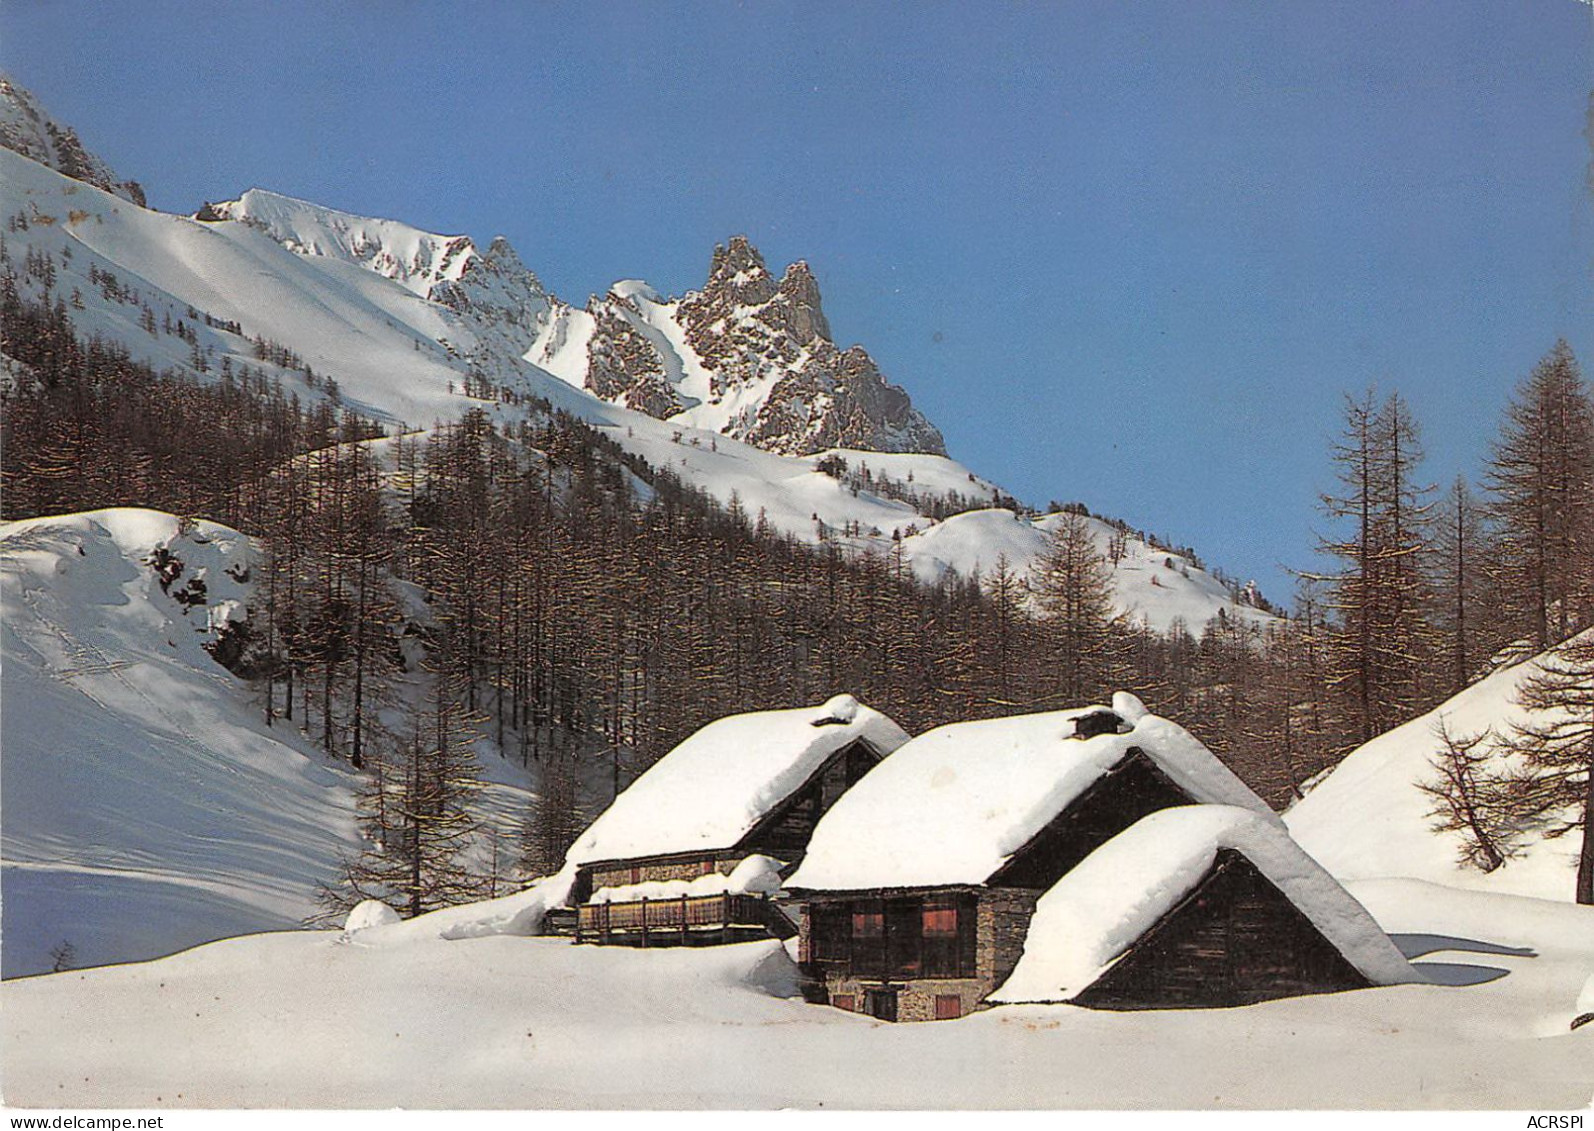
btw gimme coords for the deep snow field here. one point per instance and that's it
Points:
(147, 807)
(400, 1016)
(174, 816)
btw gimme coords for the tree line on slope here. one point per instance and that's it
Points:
(586, 611)
(1432, 592)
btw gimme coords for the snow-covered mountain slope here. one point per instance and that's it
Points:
(746, 356)
(1369, 817)
(496, 306)
(413, 327)
(1156, 587)
(372, 1019)
(26, 128)
(147, 807)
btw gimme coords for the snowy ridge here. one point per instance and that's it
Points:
(1369, 819)
(1152, 586)
(709, 792)
(955, 803)
(148, 807)
(417, 260)
(1091, 917)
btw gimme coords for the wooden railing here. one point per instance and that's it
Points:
(670, 922)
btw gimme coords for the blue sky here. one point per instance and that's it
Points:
(1127, 253)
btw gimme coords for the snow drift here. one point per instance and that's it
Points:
(147, 805)
(711, 790)
(1369, 817)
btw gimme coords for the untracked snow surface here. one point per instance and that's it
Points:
(400, 1016)
(1370, 818)
(955, 803)
(710, 791)
(147, 805)
(1095, 913)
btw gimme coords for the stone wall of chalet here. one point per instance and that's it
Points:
(620, 875)
(1001, 926)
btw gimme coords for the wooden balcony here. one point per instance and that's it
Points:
(696, 920)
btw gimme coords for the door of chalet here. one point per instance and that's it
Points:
(881, 1004)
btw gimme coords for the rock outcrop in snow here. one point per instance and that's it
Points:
(496, 301)
(148, 807)
(26, 128)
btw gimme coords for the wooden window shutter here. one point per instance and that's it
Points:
(940, 921)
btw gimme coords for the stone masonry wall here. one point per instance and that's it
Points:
(1001, 926)
(657, 872)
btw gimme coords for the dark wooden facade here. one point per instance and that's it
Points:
(783, 833)
(1133, 789)
(928, 954)
(1236, 939)
(993, 917)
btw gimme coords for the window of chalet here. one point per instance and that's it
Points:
(898, 938)
(869, 938)
(868, 920)
(940, 921)
(845, 1001)
(904, 949)
(830, 932)
(939, 924)
(705, 867)
(948, 1007)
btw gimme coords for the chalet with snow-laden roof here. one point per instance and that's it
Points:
(694, 850)
(984, 850)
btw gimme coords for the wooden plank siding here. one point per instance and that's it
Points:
(785, 831)
(1133, 789)
(679, 921)
(1235, 940)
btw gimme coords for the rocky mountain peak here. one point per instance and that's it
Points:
(799, 295)
(774, 377)
(737, 275)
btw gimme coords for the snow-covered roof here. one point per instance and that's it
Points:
(1094, 914)
(954, 804)
(711, 790)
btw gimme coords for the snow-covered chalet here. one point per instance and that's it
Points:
(1099, 856)
(695, 848)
